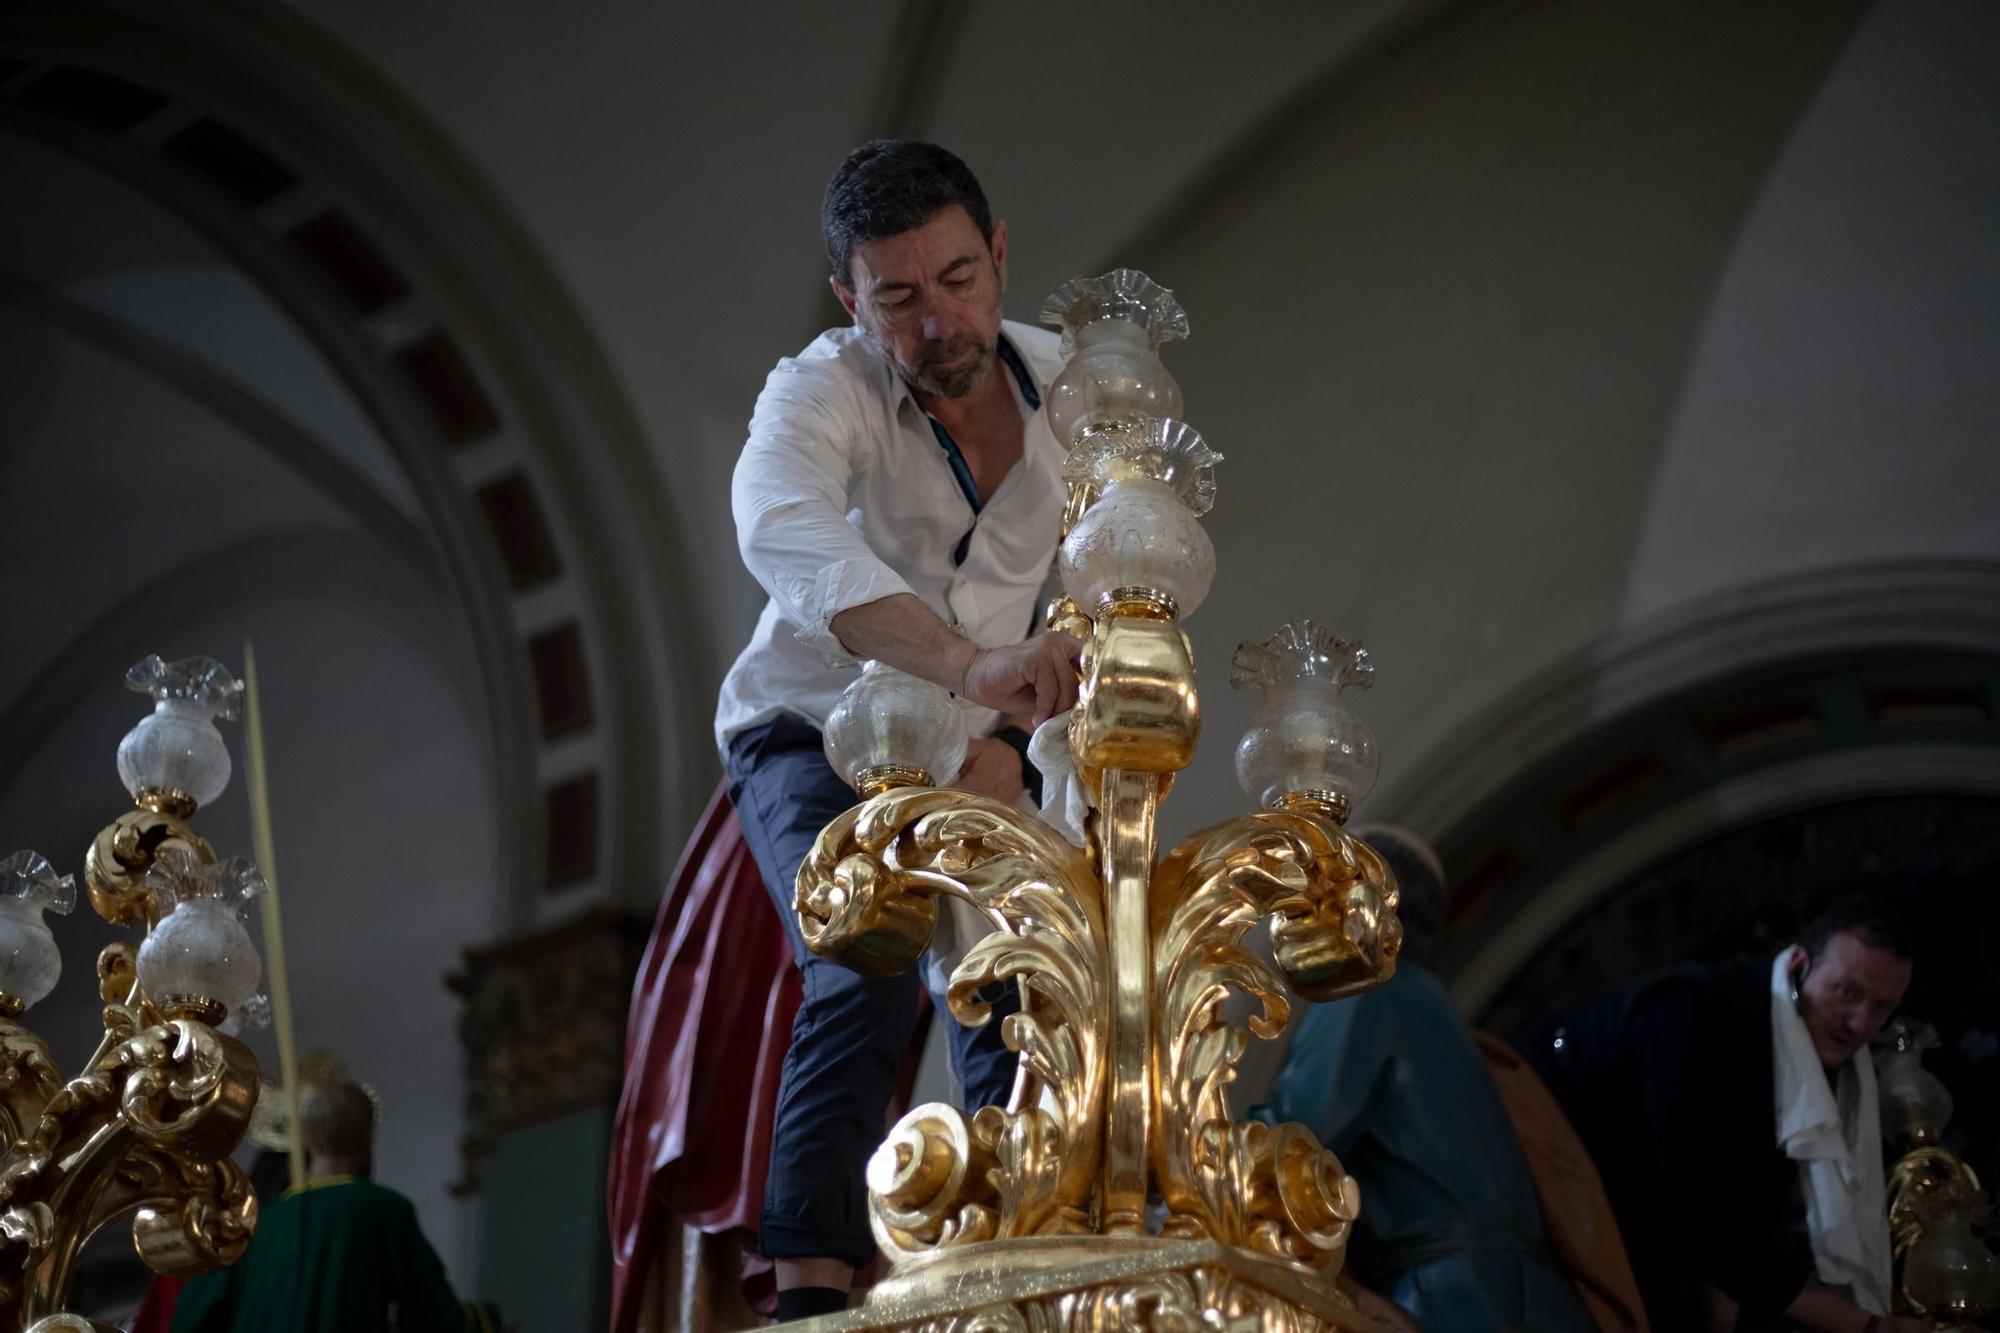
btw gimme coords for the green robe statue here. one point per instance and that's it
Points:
(338, 1256)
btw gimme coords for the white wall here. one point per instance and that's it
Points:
(1844, 403)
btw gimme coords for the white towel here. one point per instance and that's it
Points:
(1837, 1142)
(1065, 803)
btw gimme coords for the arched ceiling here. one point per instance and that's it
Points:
(670, 158)
(1490, 299)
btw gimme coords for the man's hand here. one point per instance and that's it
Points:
(1036, 678)
(992, 768)
(1381, 1312)
(1825, 1310)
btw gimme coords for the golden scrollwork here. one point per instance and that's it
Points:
(1200, 1301)
(147, 1127)
(115, 866)
(1331, 903)
(1062, 616)
(28, 1078)
(1920, 1177)
(187, 1088)
(203, 1223)
(1041, 1216)
(1100, 1284)
(867, 897)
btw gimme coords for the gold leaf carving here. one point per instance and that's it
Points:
(868, 891)
(1203, 1300)
(1332, 904)
(204, 1223)
(28, 1078)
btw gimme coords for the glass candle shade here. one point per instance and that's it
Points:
(1915, 1104)
(1112, 327)
(1950, 1270)
(30, 962)
(1152, 480)
(200, 948)
(889, 722)
(1304, 739)
(177, 748)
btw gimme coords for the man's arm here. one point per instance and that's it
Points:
(1036, 678)
(789, 499)
(1824, 1310)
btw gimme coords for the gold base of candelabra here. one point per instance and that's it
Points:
(1088, 1284)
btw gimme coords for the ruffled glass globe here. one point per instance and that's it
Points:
(1143, 531)
(1950, 1269)
(1112, 328)
(1304, 739)
(891, 720)
(1915, 1103)
(30, 962)
(177, 748)
(200, 948)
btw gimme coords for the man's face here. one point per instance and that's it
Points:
(928, 299)
(1849, 992)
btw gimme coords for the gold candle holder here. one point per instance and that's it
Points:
(1115, 1190)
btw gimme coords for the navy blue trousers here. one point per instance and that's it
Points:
(851, 1032)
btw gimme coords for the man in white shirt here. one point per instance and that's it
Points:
(900, 498)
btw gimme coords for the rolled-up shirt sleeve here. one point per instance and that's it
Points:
(789, 496)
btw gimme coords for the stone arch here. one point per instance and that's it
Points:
(1785, 695)
(434, 308)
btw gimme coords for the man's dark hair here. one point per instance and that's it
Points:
(340, 1122)
(889, 186)
(1875, 922)
(1422, 904)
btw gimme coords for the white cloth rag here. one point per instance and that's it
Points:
(1836, 1138)
(1065, 803)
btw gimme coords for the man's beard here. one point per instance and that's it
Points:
(938, 372)
(930, 375)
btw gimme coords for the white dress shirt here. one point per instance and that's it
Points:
(846, 494)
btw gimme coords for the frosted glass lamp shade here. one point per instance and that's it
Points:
(1115, 377)
(891, 720)
(1112, 327)
(177, 748)
(30, 962)
(1153, 479)
(1950, 1270)
(200, 948)
(1915, 1102)
(1304, 739)
(1137, 535)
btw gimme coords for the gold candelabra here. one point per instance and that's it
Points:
(1115, 1190)
(146, 1129)
(1949, 1275)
